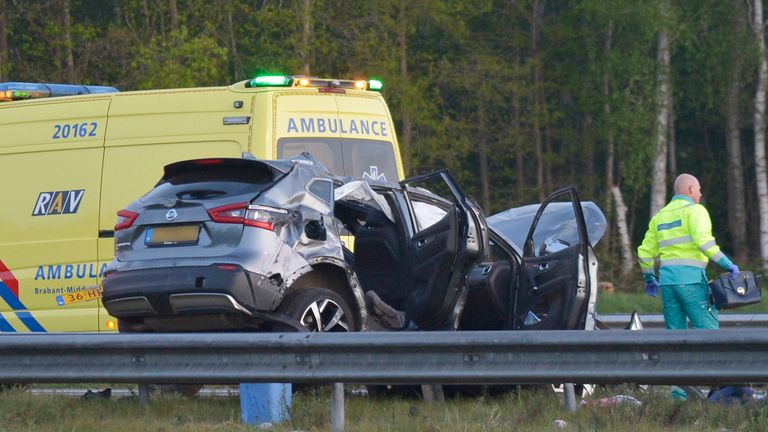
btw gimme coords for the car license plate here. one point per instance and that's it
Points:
(172, 235)
(79, 296)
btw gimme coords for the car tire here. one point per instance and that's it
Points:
(318, 309)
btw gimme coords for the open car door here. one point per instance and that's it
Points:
(449, 236)
(554, 276)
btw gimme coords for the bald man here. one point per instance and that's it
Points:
(680, 237)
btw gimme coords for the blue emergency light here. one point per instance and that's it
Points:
(11, 91)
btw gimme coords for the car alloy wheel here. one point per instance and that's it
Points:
(324, 315)
(319, 310)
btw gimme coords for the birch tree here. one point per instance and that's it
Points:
(737, 223)
(760, 166)
(659, 187)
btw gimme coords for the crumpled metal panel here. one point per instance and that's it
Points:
(291, 194)
(361, 191)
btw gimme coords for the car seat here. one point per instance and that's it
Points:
(380, 259)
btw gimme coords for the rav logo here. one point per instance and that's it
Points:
(58, 202)
(171, 215)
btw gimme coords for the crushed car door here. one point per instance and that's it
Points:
(449, 237)
(553, 277)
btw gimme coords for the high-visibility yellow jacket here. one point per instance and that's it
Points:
(680, 237)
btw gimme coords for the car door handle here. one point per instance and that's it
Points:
(543, 266)
(420, 243)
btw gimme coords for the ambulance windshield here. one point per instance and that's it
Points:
(371, 160)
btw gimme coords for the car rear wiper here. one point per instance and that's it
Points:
(200, 194)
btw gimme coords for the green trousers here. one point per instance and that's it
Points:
(688, 301)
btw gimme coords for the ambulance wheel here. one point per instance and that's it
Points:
(129, 326)
(187, 390)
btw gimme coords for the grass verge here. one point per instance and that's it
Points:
(619, 302)
(520, 410)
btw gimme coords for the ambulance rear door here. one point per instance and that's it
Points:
(50, 167)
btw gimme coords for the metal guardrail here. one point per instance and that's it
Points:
(727, 320)
(601, 357)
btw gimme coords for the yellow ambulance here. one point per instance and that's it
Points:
(69, 164)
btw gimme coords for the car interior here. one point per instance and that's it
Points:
(407, 267)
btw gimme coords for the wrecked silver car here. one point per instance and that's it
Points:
(242, 244)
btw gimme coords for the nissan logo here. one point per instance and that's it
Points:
(171, 215)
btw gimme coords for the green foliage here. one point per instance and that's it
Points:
(176, 60)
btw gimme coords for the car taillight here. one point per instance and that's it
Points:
(250, 215)
(230, 213)
(125, 219)
(265, 217)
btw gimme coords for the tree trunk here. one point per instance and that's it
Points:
(737, 216)
(406, 132)
(68, 56)
(4, 66)
(537, 96)
(161, 20)
(174, 12)
(760, 167)
(672, 145)
(627, 262)
(609, 183)
(482, 155)
(306, 35)
(149, 30)
(117, 12)
(238, 64)
(519, 150)
(659, 187)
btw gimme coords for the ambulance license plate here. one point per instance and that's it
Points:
(172, 235)
(79, 296)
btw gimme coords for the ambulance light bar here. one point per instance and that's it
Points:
(11, 91)
(312, 82)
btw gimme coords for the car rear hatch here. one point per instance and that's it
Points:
(196, 210)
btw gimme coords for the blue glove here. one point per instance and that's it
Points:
(652, 287)
(734, 269)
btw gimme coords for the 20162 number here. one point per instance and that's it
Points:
(75, 130)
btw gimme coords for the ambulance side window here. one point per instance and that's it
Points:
(326, 150)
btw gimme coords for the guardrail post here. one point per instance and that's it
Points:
(337, 407)
(433, 393)
(143, 395)
(569, 394)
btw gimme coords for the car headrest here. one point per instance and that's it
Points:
(376, 218)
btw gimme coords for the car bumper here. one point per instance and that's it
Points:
(190, 290)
